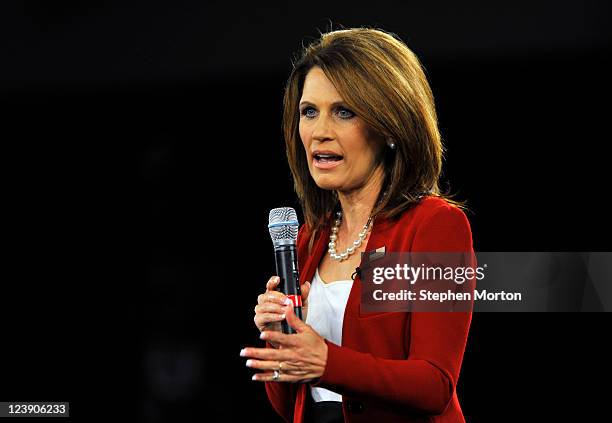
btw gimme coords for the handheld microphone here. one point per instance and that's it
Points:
(283, 226)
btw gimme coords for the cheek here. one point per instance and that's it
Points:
(363, 159)
(361, 150)
(304, 136)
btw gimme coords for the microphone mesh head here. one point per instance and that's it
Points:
(283, 225)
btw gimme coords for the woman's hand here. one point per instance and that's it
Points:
(269, 311)
(301, 357)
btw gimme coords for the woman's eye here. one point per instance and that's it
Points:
(309, 112)
(345, 113)
(306, 112)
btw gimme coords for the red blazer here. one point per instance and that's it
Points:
(396, 366)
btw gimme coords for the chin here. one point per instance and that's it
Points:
(327, 183)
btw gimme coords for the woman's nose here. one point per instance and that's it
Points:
(322, 128)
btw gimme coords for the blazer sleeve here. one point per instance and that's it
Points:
(282, 395)
(425, 381)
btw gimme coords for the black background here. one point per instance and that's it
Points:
(142, 152)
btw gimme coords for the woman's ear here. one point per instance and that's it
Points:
(378, 140)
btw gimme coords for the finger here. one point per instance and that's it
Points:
(265, 318)
(272, 297)
(305, 289)
(279, 338)
(283, 377)
(267, 354)
(295, 321)
(272, 283)
(269, 308)
(277, 298)
(263, 364)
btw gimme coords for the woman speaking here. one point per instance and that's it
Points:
(365, 153)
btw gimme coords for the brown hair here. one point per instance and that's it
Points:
(383, 82)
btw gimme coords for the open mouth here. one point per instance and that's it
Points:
(327, 158)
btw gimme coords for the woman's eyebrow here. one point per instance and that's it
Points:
(335, 103)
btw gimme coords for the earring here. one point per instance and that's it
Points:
(391, 144)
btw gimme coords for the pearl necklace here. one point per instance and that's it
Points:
(334, 236)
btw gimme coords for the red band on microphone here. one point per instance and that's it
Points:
(296, 299)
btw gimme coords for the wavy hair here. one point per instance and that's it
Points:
(384, 83)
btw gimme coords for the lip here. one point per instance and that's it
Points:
(314, 153)
(327, 165)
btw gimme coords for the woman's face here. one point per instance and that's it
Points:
(340, 149)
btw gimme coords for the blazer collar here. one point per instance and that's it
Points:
(319, 247)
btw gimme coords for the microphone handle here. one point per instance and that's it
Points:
(287, 270)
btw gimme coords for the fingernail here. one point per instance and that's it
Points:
(254, 377)
(262, 335)
(249, 362)
(287, 301)
(282, 316)
(243, 352)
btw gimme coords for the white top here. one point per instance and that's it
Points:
(326, 304)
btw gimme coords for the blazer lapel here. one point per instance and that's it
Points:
(313, 260)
